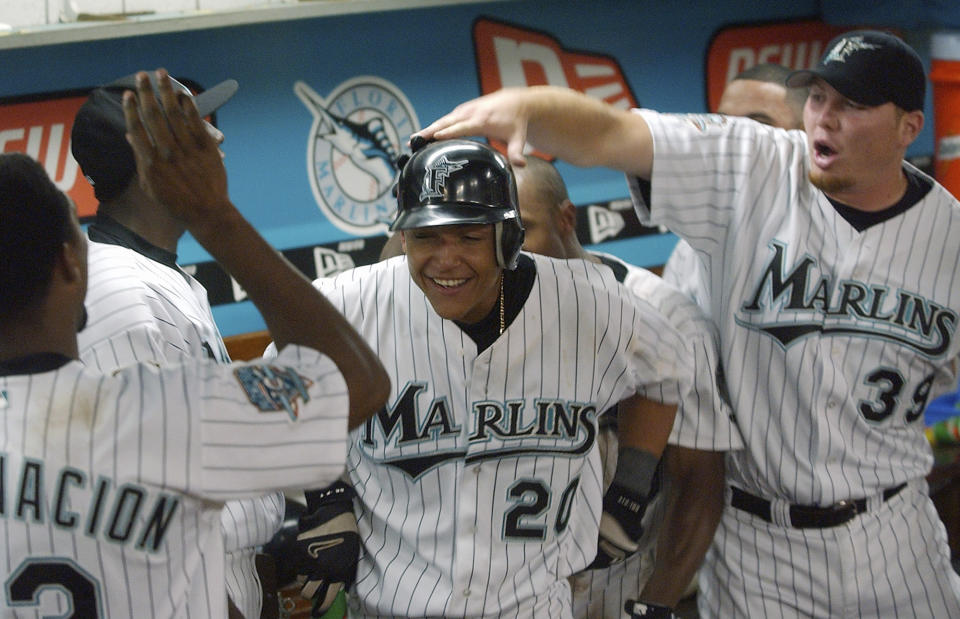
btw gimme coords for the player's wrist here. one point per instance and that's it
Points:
(636, 470)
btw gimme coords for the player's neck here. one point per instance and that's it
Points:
(139, 213)
(874, 197)
(41, 333)
(576, 251)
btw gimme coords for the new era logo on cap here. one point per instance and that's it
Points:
(871, 68)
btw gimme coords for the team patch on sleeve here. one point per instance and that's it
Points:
(274, 388)
(3, 400)
(702, 121)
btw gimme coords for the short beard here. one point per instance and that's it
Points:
(83, 320)
(829, 185)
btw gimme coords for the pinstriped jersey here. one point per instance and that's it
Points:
(140, 309)
(479, 482)
(833, 340)
(684, 270)
(118, 514)
(704, 421)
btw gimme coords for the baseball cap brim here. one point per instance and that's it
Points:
(207, 101)
(850, 90)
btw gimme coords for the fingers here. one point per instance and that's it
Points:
(515, 146)
(182, 116)
(173, 108)
(137, 134)
(153, 118)
(496, 116)
(161, 127)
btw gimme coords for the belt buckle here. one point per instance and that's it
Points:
(803, 517)
(845, 510)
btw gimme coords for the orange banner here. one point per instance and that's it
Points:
(41, 129)
(796, 45)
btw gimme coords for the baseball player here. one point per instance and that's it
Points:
(107, 513)
(760, 93)
(478, 486)
(143, 306)
(702, 432)
(832, 284)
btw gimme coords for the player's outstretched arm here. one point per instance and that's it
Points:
(562, 122)
(694, 502)
(179, 164)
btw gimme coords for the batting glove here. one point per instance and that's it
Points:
(620, 526)
(643, 610)
(328, 545)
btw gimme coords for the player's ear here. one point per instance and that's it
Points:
(911, 123)
(71, 261)
(568, 216)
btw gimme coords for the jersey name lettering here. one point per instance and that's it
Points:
(121, 519)
(854, 309)
(498, 430)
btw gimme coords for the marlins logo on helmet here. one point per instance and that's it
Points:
(354, 142)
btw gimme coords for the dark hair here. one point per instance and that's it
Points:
(778, 74)
(766, 72)
(36, 220)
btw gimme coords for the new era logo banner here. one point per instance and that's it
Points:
(509, 56)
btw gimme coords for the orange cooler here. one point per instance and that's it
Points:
(945, 75)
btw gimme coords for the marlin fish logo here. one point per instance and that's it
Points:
(436, 175)
(366, 143)
(356, 137)
(846, 47)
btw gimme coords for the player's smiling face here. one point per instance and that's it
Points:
(456, 268)
(856, 150)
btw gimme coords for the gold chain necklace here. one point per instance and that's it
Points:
(502, 324)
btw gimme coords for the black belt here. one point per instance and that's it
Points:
(808, 516)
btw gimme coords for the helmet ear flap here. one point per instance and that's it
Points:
(509, 239)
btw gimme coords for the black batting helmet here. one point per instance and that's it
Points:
(457, 182)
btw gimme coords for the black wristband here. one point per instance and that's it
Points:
(635, 469)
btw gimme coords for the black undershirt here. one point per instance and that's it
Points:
(917, 187)
(517, 285)
(109, 231)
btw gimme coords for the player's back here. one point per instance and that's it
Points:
(91, 520)
(139, 308)
(145, 308)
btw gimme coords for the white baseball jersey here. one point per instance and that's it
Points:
(684, 270)
(704, 421)
(113, 513)
(832, 340)
(141, 306)
(479, 484)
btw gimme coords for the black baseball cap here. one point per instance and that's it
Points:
(98, 138)
(871, 68)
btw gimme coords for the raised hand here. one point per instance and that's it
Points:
(502, 115)
(178, 161)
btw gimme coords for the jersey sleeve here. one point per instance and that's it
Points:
(239, 430)
(712, 174)
(684, 271)
(661, 372)
(705, 418)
